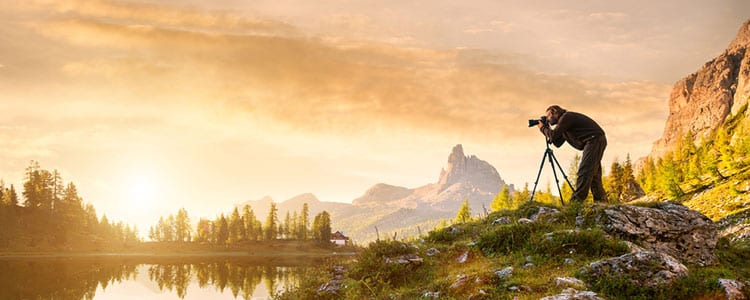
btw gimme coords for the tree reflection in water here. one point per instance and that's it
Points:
(79, 278)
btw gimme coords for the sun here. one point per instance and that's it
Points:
(142, 191)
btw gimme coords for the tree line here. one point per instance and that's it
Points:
(691, 166)
(237, 228)
(621, 186)
(53, 215)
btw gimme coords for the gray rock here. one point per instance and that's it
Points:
(573, 294)
(433, 295)
(331, 287)
(432, 252)
(732, 289)
(569, 282)
(669, 227)
(528, 265)
(529, 259)
(461, 279)
(524, 221)
(545, 214)
(502, 221)
(463, 257)
(504, 273)
(405, 259)
(569, 261)
(643, 268)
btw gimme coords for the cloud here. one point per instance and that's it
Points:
(164, 15)
(325, 86)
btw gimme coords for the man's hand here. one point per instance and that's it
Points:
(540, 125)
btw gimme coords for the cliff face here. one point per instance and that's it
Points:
(702, 101)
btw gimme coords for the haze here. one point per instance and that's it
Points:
(151, 106)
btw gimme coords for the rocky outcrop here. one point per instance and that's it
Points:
(732, 289)
(667, 227)
(646, 268)
(573, 294)
(702, 101)
(469, 169)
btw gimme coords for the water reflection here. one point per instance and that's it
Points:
(80, 278)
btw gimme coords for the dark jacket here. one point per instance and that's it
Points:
(573, 127)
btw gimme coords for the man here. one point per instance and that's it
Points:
(582, 133)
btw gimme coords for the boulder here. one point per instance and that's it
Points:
(461, 280)
(432, 252)
(405, 259)
(732, 289)
(573, 294)
(668, 227)
(545, 214)
(645, 268)
(504, 273)
(569, 282)
(463, 257)
(502, 221)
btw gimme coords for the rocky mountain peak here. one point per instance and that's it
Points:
(743, 37)
(700, 102)
(469, 169)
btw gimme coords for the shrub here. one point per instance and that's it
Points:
(591, 243)
(509, 238)
(372, 269)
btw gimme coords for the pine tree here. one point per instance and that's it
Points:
(304, 222)
(248, 219)
(235, 226)
(287, 226)
(271, 223)
(10, 197)
(502, 200)
(182, 226)
(614, 182)
(203, 231)
(321, 227)
(464, 213)
(222, 232)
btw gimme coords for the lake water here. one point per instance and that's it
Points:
(150, 278)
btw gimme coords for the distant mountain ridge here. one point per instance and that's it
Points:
(405, 211)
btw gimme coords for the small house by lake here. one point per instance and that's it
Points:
(339, 238)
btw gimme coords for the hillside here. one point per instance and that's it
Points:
(703, 158)
(582, 252)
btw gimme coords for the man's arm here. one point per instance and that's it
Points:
(555, 135)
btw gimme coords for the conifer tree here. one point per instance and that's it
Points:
(464, 213)
(271, 226)
(252, 232)
(304, 222)
(502, 200)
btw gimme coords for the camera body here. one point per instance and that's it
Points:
(542, 119)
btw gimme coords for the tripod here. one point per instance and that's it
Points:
(549, 155)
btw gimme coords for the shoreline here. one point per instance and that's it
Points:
(209, 254)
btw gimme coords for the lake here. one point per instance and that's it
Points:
(118, 277)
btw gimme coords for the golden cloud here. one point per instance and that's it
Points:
(317, 85)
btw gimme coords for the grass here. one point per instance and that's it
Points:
(492, 247)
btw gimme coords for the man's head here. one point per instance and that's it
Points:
(554, 113)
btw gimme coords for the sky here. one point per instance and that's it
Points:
(150, 106)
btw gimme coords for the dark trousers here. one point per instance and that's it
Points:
(590, 171)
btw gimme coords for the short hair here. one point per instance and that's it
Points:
(556, 109)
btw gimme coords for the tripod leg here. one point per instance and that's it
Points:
(562, 172)
(554, 172)
(538, 174)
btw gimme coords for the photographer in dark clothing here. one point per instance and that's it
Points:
(582, 133)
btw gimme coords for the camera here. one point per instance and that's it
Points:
(542, 119)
